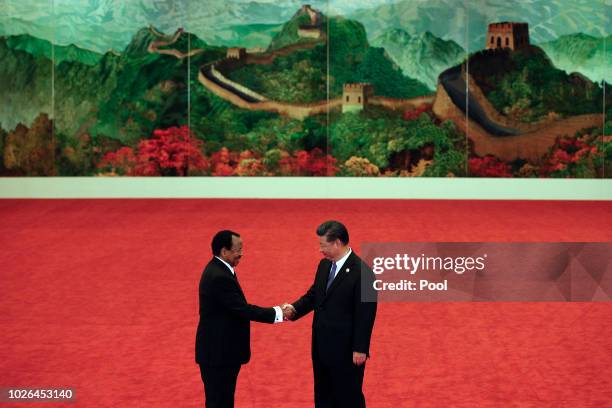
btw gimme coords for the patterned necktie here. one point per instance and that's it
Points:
(330, 278)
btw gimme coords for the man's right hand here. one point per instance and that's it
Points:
(288, 311)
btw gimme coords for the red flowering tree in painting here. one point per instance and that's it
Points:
(174, 152)
(313, 163)
(488, 166)
(570, 157)
(170, 152)
(415, 113)
(275, 163)
(121, 162)
(223, 162)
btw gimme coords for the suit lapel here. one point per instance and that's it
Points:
(223, 267)
(322, 278)
(226, 270)
(341, 274)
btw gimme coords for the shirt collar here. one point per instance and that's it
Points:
(342, 260)
(226, 264)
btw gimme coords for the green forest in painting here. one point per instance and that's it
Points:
(304, 92)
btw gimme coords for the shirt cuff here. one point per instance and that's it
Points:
(279, 314)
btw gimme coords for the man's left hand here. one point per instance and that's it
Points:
(359, 358)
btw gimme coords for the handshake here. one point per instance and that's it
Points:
(288, 311)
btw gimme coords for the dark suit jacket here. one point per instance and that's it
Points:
(224, 330)
(342, 323)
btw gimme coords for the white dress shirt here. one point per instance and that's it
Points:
(341, 262)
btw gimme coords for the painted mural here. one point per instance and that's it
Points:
(367, 88)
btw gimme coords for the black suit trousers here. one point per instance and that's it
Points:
(219, 385)
(338, 385)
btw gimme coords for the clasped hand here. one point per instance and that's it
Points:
(288, 311)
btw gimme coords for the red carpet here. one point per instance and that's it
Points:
(101, 295)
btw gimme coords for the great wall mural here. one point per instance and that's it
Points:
(335, 88)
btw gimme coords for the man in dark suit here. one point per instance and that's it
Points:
(344, 304)
(223, 336)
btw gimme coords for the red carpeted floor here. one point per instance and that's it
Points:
(101, 295)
